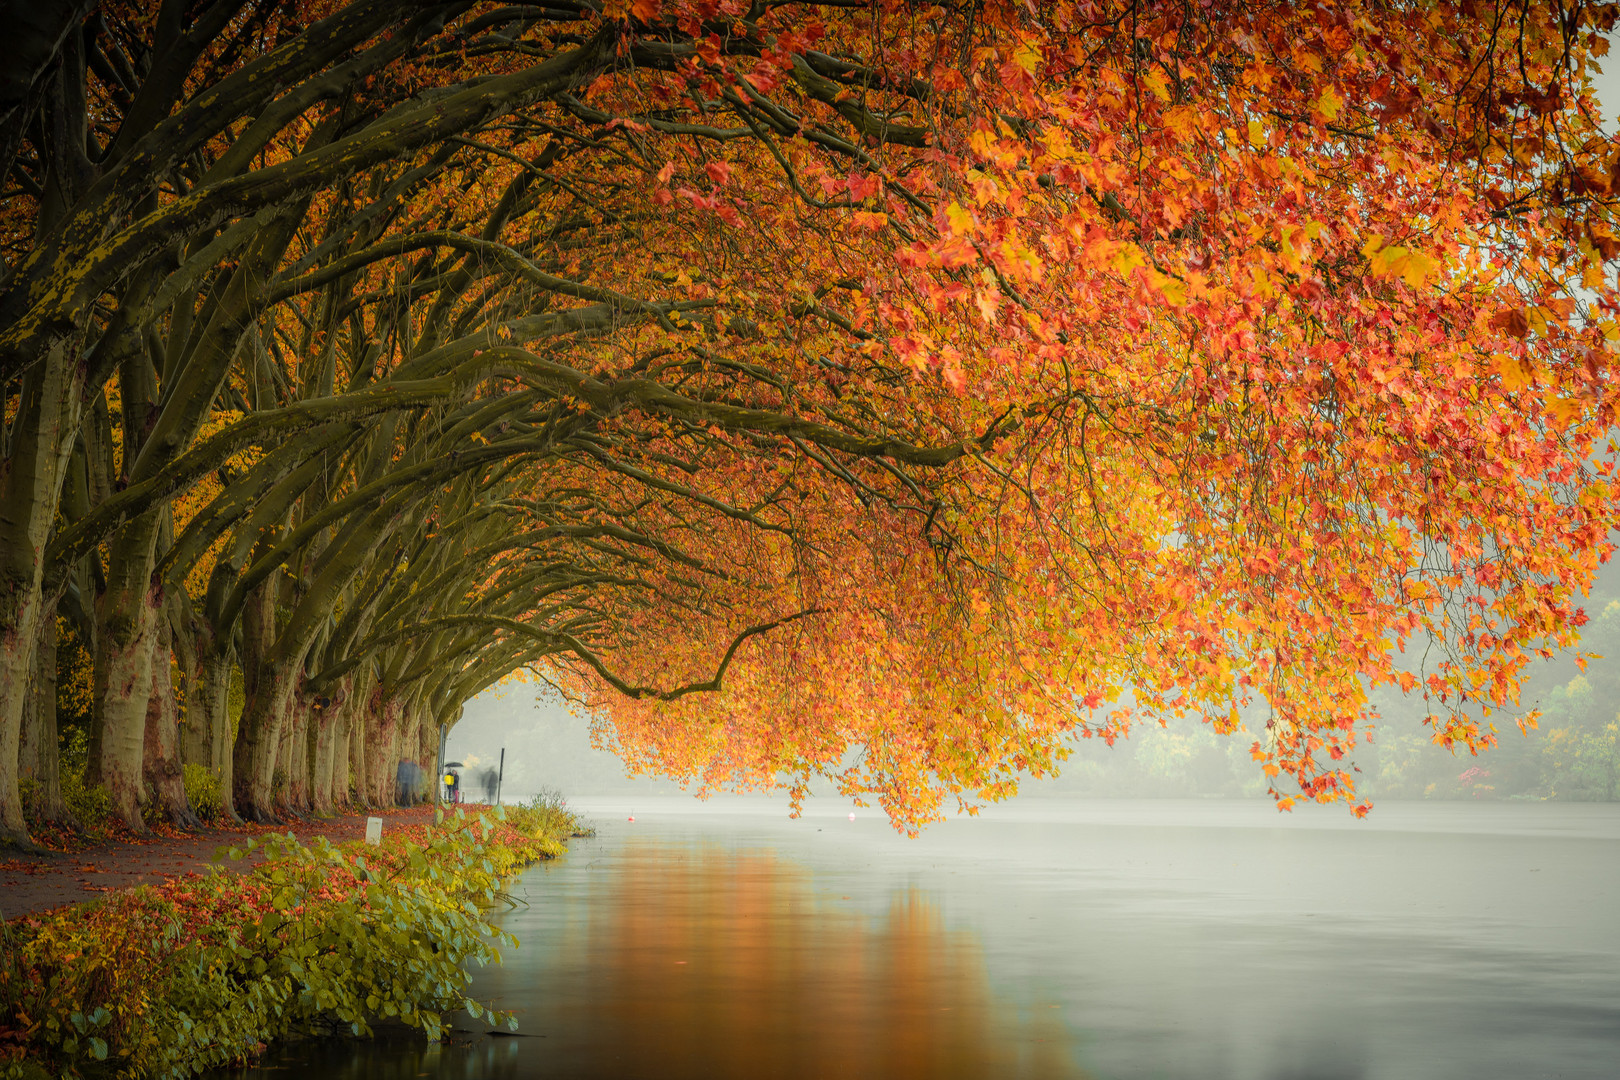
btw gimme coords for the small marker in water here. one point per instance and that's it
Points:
(852, 815)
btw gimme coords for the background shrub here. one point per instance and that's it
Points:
(546, 813)
(90, 804)
(202, 790)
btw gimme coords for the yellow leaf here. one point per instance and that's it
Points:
(961, 221)
(1027, 56)
(1329, 103)
(1514, 373)
(1175, 292)
(1128, 258)
(1419, 267)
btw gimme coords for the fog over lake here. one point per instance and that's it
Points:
(1056, 938)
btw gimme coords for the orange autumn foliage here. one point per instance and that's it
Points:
(1290, 303)
(979, 377)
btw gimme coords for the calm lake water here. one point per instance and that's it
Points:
(1054, 939)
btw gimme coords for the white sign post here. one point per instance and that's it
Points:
(374, 830)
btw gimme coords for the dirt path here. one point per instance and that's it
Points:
(34, 883)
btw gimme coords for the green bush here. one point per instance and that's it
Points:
(90, 805)
(546, 813)
(202, 791)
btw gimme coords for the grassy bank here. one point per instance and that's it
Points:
(166, 980)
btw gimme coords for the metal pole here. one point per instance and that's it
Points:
(438, 771)
(500, 776)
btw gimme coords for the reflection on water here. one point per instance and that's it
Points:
(699, 960)
(1087, 940)
(394, 1057)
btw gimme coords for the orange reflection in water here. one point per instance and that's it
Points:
(707, 962)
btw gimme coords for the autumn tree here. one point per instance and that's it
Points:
(1006, 361)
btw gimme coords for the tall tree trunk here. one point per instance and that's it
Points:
(161, 759)
(382, 737)
(359, 716)
(128, 616)
(323, 736)
(42, 434)
(17, 647)
(258, 742)
(196, 736)
(330, 778)
(293, 757)
(39, 757)
(254, 751)
(335, 777)
(427, 749)
(410, 729)
(208, 724)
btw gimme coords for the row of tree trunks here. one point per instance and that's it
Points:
(331, 751)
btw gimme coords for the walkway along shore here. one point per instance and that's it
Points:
(32, 883)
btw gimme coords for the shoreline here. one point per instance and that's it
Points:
(282, 939)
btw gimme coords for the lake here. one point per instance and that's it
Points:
(1047, 939)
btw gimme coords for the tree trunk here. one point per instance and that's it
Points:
(161, 759)
(39, 753)
(196, 731)
(360, 790)
(17, 647)
(292, 756)
(427, 750)
(335, 777)
(323, 735)
(335, 721)
(254, 751)
(382, 736)
(41, 441)
(128, 614)
(210, 715)
(410, 729)
(258, 743)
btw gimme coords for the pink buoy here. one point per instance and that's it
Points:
(632, 817)
(852, 815)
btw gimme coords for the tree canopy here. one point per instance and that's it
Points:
(787, 379)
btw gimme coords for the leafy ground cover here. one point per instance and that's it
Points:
(316, 938)
(81, 865)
